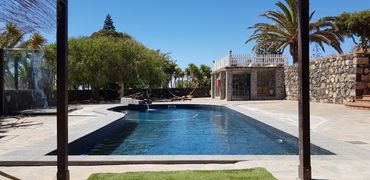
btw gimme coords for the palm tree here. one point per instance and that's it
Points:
(176, 76)
(169, 70)
(193, 74)
(12, 37)
(284, 31)
(206, 73)
(36, 41)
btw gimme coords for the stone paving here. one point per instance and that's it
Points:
(340, 129)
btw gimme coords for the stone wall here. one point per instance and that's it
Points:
(363, 76)
(332, 80)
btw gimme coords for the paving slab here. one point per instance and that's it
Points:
(340, 129)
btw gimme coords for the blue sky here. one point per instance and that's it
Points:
(194, 31)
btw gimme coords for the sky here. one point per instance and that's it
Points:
(194, 31)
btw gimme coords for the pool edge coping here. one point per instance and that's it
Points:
(341, 149)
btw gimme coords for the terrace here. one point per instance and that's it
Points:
(165, 135)
(246, 60)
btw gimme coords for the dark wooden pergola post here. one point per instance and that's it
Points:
(62, 90)
(16, 72)
(2, 82)
(304, 92)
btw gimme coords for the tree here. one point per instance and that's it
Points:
(169, 70)
(284, 31)
(181, 84)
(176, 76)
(267, 50)
(108, 57)
(355, 25)
(36, 41)
(193, 74)
(12, 37)
(197, 76)
(110, 34)
(110, 31)
(108, 24)
(206, 73)
(97, 62)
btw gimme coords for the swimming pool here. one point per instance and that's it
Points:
(192, 130)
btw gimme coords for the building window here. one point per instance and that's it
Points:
(266, 83)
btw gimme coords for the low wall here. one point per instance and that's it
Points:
(85, 96)
(332, 80)
(16, 100)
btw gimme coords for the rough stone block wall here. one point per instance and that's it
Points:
(363, 76)
(332, 80)
(280, 85)
(223, 85)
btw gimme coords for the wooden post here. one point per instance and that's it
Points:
(2, 86)
(62, 89)
(16, 72)
(304, 91)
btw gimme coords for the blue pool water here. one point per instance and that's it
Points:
(195, 131)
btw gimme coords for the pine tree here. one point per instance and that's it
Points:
(108, 24)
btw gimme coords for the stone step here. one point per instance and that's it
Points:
(366, 97)
(363, 100)
(358, 105)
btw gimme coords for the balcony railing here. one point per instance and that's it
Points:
(244, 60)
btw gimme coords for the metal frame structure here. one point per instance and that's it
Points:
(62, 94)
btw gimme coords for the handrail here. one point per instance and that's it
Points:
(245, 60)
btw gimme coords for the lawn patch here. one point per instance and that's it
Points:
(243, 174)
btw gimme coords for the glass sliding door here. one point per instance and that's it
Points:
(241, 86)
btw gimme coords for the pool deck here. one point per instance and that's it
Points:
(342, 130)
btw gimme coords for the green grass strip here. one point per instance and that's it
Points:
(243, 174)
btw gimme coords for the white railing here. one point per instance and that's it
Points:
(244, 60)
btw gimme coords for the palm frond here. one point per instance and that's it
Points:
(283, 31)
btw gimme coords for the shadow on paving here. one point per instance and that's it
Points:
(8, 176)
(8, 123)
